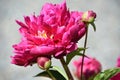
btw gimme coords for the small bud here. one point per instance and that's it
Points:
(44, 62)
(89, 16)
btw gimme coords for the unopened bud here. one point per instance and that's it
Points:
(44, 62)
(91, 67)
(89, 16)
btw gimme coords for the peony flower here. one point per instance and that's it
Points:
(90, 67)
(51, 33)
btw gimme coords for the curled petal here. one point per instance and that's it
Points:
(42, 50)
(71, 47)
(66, 38)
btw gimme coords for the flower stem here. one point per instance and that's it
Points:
(53, 78)
(66, 69)
(85, 44)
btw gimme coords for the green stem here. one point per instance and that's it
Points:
(85, 44)
(53, 78)
(66, 69)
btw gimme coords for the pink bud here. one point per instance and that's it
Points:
(91, 67)
(89, 16)
(44, 62)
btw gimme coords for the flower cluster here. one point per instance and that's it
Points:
(53, 33)
(91, 67)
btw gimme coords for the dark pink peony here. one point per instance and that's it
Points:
(116, 77)
(54, 32)
(90, 67)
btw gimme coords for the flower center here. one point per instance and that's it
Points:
(42, 34)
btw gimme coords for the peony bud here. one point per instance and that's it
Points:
(91, 67)
(89, 16)
(44, 62)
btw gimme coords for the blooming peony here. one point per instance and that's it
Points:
(55, 32)
(90, 67)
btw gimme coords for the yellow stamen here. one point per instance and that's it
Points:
(42, 34)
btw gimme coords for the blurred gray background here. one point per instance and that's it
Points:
(104, 44)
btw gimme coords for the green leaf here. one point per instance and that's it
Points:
(94, 27)
(43, 74)
(60, 71)
(55, 73)
(107, 74)
(73, 54)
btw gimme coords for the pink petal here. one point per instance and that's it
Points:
(42, 50)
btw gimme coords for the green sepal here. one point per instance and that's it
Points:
(93, 25)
